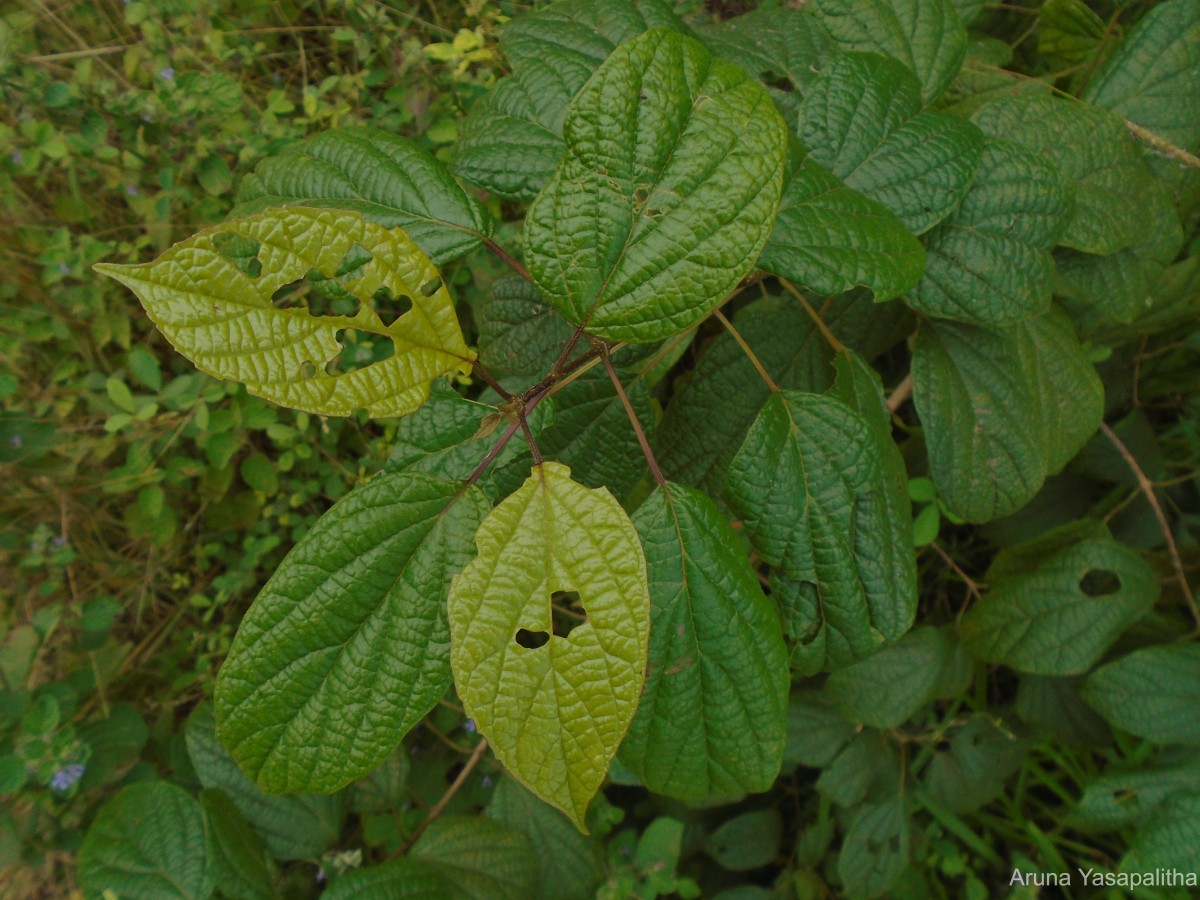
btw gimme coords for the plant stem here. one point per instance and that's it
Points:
(829, 336)
(440, 806)
(757, 363)
(902, 392)
(512, 262)
(486, 377)
(637, 426)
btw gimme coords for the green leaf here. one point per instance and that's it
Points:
(989, 261)
(1056, 605)
(863, 121)
(119, 393)
(772, 44)
(520, 335)
(405, 878)
(1093, 151)
(1170, 840)
(711, 721)
(830, 238)
(666, 194)
(147, 841)
(13, 774)
(746, 842)
(226, 322)
(928, 36)
(554, 714)
(1117, 799)
(875, 849)
(707, 420)
(582, 33)
(237, 858)
(1069, 32)
(389, 180)
(1002, 408)
(971, 772)
(809, 484)
(1151, 79)
(1053, 706)
(590, 433)
(569, 865)
(816, 733)
(1152, 693)
(886, 689)
(346, 648)
(116, 744)
(292, 827)
(479, 858)
(867, 767)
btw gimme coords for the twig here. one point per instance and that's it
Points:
(902, 392)
(440, 806)
(754, 360)
(1163, 146)
(512, 262)
(1147, 487)
(637, 426)
(486, 377)
(533, 447)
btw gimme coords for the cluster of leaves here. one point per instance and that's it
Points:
(732, 234)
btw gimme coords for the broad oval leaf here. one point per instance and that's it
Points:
(1151, 79)
(388, 179)
(347, 647)
(989, 261)
(147, 841)
(862, 120)
(1002, 408)
(773, 43)
(928, 36)
(238, 860)
(809, 484)
(1056, 605)
(830, 238)
(556, 713)
(712, 721)
(666, 195)
(200, 295)
(1153, 693)
(293, 827)
(875, 850)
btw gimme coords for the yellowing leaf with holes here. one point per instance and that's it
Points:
(554, 705)
(219, 297)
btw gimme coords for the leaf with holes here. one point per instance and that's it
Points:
(712, 720)
(808, 483)
(830, 238)
(346, 648)
(863, 121)
(928, 36)
(989, 261)
(1153, 693)
(666, 195)
(1056, 605)
(554, 711)
(224, 319)
(388, 179)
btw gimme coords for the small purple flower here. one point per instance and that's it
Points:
(66, 777)
(485, 782)
(131, 190)
(64, 269)
(59, 540)
(16, 441)
(17, 157)
(167, 74)
(320, 878)
(469, 726)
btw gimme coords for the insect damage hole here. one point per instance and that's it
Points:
(567, 614)
(241, 251)
(531, 640)
(1100, 583)
(359, 349)
(389, 307)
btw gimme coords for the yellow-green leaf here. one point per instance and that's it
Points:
(556, 713)
(214, 296)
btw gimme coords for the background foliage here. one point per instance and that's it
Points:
(146, 503)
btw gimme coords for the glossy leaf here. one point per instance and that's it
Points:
(347, 648)
(583, 32)
(808, 483)
(520, 335)
(238, 861)
(830, 239)
(989, 261)
(773, 43)
(1151, 79)
(147, 841)
(665, 196)
(554, 714)
(570, 866)
(1093, 151)
(1055, 606)
(928, 36)
(863, 121)
(1001, 409)
(293, 827)
(711, 721)
(479, 857)
(391, 181)
(224, 320)
(1152, 692)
